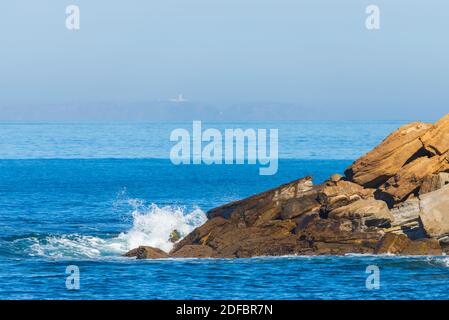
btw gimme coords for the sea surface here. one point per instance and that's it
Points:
(82, 194)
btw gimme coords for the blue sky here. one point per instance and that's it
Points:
(313, 55)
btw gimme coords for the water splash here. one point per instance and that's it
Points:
(151, 226)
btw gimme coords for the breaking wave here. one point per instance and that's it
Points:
(151, 226)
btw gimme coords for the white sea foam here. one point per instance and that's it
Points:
(151, 226)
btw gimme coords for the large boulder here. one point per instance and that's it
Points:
(406, 219)
(264, 206)
(392, 244)
(146, 252)
(385, 161)
(410, 178)
(333, 195)
(370, 211)
(436, 140)
(435, 212)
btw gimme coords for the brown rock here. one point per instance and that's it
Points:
(436, 140)
(385, 161)
(434, 182)
(371, 212)
(423, 247)
(336, 177)
(306, 203)
(264, 206)
(201, 234)
(334, 195)
(392, 243)
(410, 178)
(435, 212)
(333, 231)
(194, 251)
(146, 252)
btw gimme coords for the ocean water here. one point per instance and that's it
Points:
(82, 194)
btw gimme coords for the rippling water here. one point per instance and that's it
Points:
(83, 194)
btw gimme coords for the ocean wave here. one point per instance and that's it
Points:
(151, 226)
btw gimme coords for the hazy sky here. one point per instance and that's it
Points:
(313, 55)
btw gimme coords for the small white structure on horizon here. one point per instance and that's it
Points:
(180, 98)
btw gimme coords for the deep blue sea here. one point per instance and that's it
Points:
(82, 194)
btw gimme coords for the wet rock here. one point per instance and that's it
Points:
(370, 211)
(175, 236)
(392, 244)
(423, 247)
(194, 251)
(386, 160)
(146, 252)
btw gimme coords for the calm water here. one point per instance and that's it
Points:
(83, 194)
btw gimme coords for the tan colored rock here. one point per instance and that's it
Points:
(146, 252)
(372, 212)
(386, 160)
(392, 244)
(434, 182)
(335, 177)
(405, 212)
(410, 178)
(337, 194)
(435, 212)
(436, 140)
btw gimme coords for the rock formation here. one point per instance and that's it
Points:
(394, 199)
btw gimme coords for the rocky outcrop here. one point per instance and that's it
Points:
(393, 200)
(262, 207)
(410, 178)
(145, 252)
(385, 161)
(436, 140)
